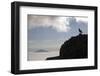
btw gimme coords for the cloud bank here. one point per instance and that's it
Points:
(60, 24)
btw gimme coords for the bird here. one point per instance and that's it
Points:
(80, 31)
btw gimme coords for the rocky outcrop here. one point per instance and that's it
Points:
(74, 48)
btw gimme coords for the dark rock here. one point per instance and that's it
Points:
(74, 48)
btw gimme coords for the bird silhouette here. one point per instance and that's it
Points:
(80, 31)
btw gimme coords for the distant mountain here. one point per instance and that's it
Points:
(41, 50)
(74, 48)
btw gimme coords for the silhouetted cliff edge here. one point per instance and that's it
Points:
(74, 48)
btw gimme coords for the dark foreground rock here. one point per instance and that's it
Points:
(74, 48)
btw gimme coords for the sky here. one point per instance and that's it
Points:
(49, 32)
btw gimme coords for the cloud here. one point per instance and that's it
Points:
(60, 24)
(78, 22)
(82, 19)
